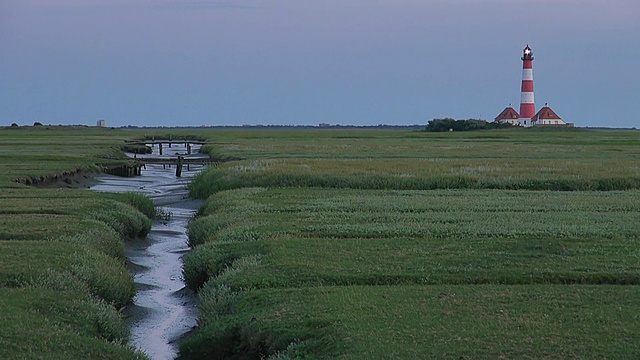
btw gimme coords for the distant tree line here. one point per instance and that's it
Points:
(448, 124)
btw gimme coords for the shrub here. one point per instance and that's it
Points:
(59, 281)
(239, 266)
(208, 261)
(448, 124)
(239, 233)
(140, 202)
(215, 154)
(199, 264)
(107, 278)
(100, 237)
(201, 229)
(108, 322)
(124, 219)
(136, 149)
(215, 301)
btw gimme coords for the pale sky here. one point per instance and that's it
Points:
(303, 62)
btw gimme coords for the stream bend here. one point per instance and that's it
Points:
(164, 308)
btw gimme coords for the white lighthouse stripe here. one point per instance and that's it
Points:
(526, 98)
(527, 74)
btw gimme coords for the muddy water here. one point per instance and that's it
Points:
(164, 309)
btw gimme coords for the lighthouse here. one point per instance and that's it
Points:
(527, 104)
(528, 116)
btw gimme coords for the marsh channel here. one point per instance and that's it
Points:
(164, 309)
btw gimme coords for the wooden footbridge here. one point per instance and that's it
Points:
(188, 144)
(134, 166)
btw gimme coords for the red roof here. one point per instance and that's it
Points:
(546, 114)
(508, 113)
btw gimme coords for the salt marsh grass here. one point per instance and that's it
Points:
(423, 322)
(501, 257)
(342, 243)
(423, 237)
(382, 244)
(61, 324)
(507, 159)
(62, 271)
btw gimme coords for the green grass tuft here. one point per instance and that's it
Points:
(107, 277)
(124, 219)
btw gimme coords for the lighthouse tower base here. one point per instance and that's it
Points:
(526, 122)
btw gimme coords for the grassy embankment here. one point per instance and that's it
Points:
(391, 270)
(543, 159)
(62, 273)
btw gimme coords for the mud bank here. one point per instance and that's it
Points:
(77, 178)
(164, 308)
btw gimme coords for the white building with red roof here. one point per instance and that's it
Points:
(508, 115)
(546, 116)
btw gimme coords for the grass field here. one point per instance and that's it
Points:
(46, 151)
(340, 243)
(425, 322)
(530, 159)
(421, 237)
(317, 245)
(62, 274)
(50, 150)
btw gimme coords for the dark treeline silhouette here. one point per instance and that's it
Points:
(448, 124)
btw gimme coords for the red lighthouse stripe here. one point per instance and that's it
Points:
(527, 110)
(527, 64)
(527, 86)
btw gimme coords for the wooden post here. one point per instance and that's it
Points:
(160, 148)
(188, 166)
(189, 148)
(169, 141)
(179, 166)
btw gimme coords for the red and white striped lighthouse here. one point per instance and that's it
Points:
(527, 104)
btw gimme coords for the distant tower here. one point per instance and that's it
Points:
(527, 104)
